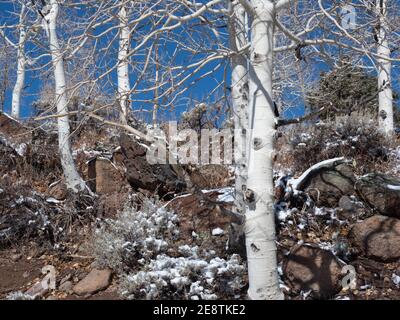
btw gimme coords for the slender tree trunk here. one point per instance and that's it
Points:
(21, 63)
(123, 64)
(72, 177)
(240, 102)
(384, 71)
(156, 100)
(260, 217)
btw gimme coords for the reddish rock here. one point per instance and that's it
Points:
(104, 177)
(58, 191)
(377, 237)
(312, 268)
(210, 176)
(108, 205)
(195, 215)
(95, 281)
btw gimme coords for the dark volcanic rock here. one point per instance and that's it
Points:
(159, 178)
(381, 192)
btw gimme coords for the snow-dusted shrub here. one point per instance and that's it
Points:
(135, 236)
(18, 295)
(190, 277)
(143, 247)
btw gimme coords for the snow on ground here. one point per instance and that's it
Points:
(396, 280)
(217, 232)
(164, 268)
(227, 195)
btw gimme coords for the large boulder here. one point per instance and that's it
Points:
(309, 267)
(328, 185)
(159, 178)
(382, 192)
(377, 237)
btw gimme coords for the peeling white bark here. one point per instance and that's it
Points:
(72, 177)
(384, 71)
(123, 63)
(260, 218)
(21, 63)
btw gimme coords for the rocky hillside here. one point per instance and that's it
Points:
(159, 231)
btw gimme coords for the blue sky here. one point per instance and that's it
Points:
(198, 92)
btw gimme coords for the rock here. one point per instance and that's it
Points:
(104, 176)
(109, 205)
(68, 277)
(160, 178)
(37, 290)
(209, 176)
(377, 237)
(347, 205)
(382, 192)
(52, 298)
(66, 286)
(195, 215)
(328, 185)
(312, 268)
(58, 191)
(16, 257)
(95, 281)
(349, 208)
(236, 240)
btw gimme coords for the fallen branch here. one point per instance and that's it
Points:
(297, 184)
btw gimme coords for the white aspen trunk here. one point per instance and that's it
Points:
(384, 71)
(240, 102)
(21, 63)
(155, 107)
(123, 64)
(72, 177)
(260, 217)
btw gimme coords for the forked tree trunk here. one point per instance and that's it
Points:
(123, 64)
(21, 63)
(260, 219)
(384, 70)
(72, 177)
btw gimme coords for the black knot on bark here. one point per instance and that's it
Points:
(257, 143)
